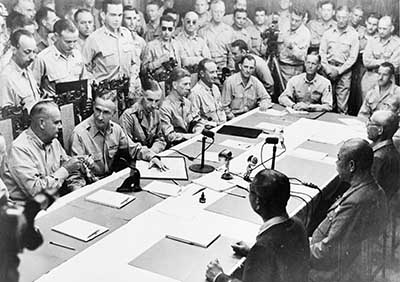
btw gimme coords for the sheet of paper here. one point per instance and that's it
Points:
(308, 154)
(273, 112)
(110, 198)
(176, 169)
(210, 156)
(193, 233)
(236, 144)
(80, 229)
(214, 182)
(163, 188)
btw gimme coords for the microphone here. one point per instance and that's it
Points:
(272, 140)
(208, 133)
(202, 167)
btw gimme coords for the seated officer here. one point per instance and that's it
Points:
(243, 92)
(239, 49)
(106, 142)
(308, 91)
(386, 167)
(281, 252)
(359, 214)
(37, 162)
(61, 62)
(205, 95)
(384, 96)
(141, 122)
(180, 120)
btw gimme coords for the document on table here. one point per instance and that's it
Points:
(193, 233)
(80, 229)
(236, 144)
(214, 182)
(163, 188)
(110, 198)
(308, 154)
(176, 169)
(296, 112)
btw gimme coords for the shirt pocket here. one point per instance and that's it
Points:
(112, 151)
(316, 96)
(109, 57)
(237, 100)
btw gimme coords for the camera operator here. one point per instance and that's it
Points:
(18, 231)
(162, 54)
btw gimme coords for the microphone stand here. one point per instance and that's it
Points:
(202, 167)
(273, 157)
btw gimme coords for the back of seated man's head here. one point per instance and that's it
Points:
(269, 193)
(382, 125)
(354, 157)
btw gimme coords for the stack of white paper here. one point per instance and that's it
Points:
(80, 229)
(214, 182)
(110, 198)
(308, 154)
(163, 188)
(273, 112)
(176, 169)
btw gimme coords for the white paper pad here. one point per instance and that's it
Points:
(273, 112)
(163, 188)
(80, 229)
(210, 156)
(236, 144)
(110, 198)
(193, 233)
(214, 182)
(176, 169)
(352, 122)
(309, 154)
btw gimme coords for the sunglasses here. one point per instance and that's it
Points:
(164, 28)
(191, 22)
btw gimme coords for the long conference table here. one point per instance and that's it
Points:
(135, 247)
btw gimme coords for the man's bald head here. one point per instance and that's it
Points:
(385, 27)
(388, 120)
(46, 120)
(359, 151)
(190, 22)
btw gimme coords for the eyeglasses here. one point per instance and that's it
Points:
(164, 28)
(191, 22)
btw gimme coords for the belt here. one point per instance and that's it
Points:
(292, 65)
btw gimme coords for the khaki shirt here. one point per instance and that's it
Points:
(364, 39)
(18, 87)
(376, 100)
(293, 46)
(263, 73)
(51, 67)
(339, 48)
(143, 127)
(204, 19)
(179, 116)
(156, 49)
(86, 139)
(33, 167)
(299, 89)
(208, 102)
(317, 29)
(152, 31)
(238, 98)
(193, 49)
(284, 21)
(256, 45)
(80, 43)
(377, 51)
(135, 84)
(109, 56)
(218, 39)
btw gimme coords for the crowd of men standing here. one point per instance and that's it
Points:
(332, 62)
